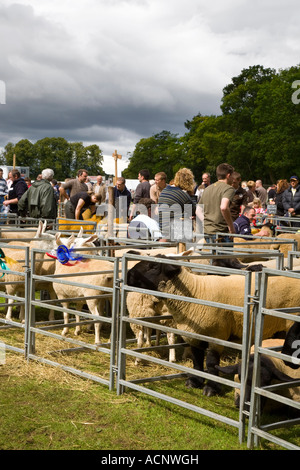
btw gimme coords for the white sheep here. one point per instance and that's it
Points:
(285, 248)
(210, 321)
(15, 260)
(101, 275)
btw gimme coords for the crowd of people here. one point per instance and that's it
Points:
(228, 205)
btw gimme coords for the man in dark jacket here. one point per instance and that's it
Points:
(240, 199)
(242, 224)
(16, 191)
(142, 189)
(39, 201)
(291, 199)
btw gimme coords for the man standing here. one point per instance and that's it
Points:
(17, 189)
(3, 187)
(216, 201)
(160, 184)
(262, 193)
(242, 224)
(120, 190)
(75, 185)
(291, 199)
(206, 181)
(100, 188)
(240, 198)
(142, 189)
(39, 201)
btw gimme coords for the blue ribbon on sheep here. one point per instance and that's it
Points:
(66, 256)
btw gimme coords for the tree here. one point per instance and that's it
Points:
(161, 152)
(63, 157)
(24, 152)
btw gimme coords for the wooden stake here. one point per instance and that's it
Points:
(116, 156)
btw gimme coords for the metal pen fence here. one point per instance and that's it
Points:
(20, 281)
(250, 302)
(47, 328)
(120, 348)
(257, 429)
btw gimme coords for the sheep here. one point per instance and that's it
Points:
(285, 248)
(67, 291)
(276, 245)
(210, 321)
(272, 370)
(14, 260)
(143, 305)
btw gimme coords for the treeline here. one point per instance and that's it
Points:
(64, 157)
(258, 132)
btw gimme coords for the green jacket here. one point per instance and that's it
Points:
(39, 201)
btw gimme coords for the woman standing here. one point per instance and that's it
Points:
(177, 206)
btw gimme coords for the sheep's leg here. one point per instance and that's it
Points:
(65, 331)
(22, 313)
(212, 360)
(96, 308)
(51, 312)
(140, 342)
(172, 352)
(198, 363)
(148, 332)
(9, 309)
(77, 317)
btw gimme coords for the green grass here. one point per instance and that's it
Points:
(81, 415)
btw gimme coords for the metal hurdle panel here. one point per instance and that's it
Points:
(250, 302)
(18, 300)
(257, 430)
(47, 328)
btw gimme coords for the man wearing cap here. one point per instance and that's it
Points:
(291, 199)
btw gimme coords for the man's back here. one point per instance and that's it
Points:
(211, 199)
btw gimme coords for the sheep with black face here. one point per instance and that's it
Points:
(210, 321)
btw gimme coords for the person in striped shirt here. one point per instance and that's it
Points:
(3, 187)
(176, 206)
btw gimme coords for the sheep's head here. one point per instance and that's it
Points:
(149, 274)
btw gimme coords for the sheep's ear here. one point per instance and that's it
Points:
(170, 270)
(70, 240)
(44, 226)
(39, 230)
(85, 241)
(58, 239)
(80, 233)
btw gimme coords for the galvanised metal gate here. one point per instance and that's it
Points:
(256, 428)
(250, 301)
(20, 279)
(49, 328)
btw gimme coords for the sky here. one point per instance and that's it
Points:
(110, 72)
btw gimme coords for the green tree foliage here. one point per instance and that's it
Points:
(64, 157)
(161, 152)
(257, 132)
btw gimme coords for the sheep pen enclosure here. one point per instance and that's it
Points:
(112, 361)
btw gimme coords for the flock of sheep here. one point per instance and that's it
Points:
(161, 276)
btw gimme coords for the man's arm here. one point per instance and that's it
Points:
(224, 207)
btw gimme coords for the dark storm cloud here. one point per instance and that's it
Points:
(113, 72)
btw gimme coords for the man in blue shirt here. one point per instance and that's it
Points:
(242, 224)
